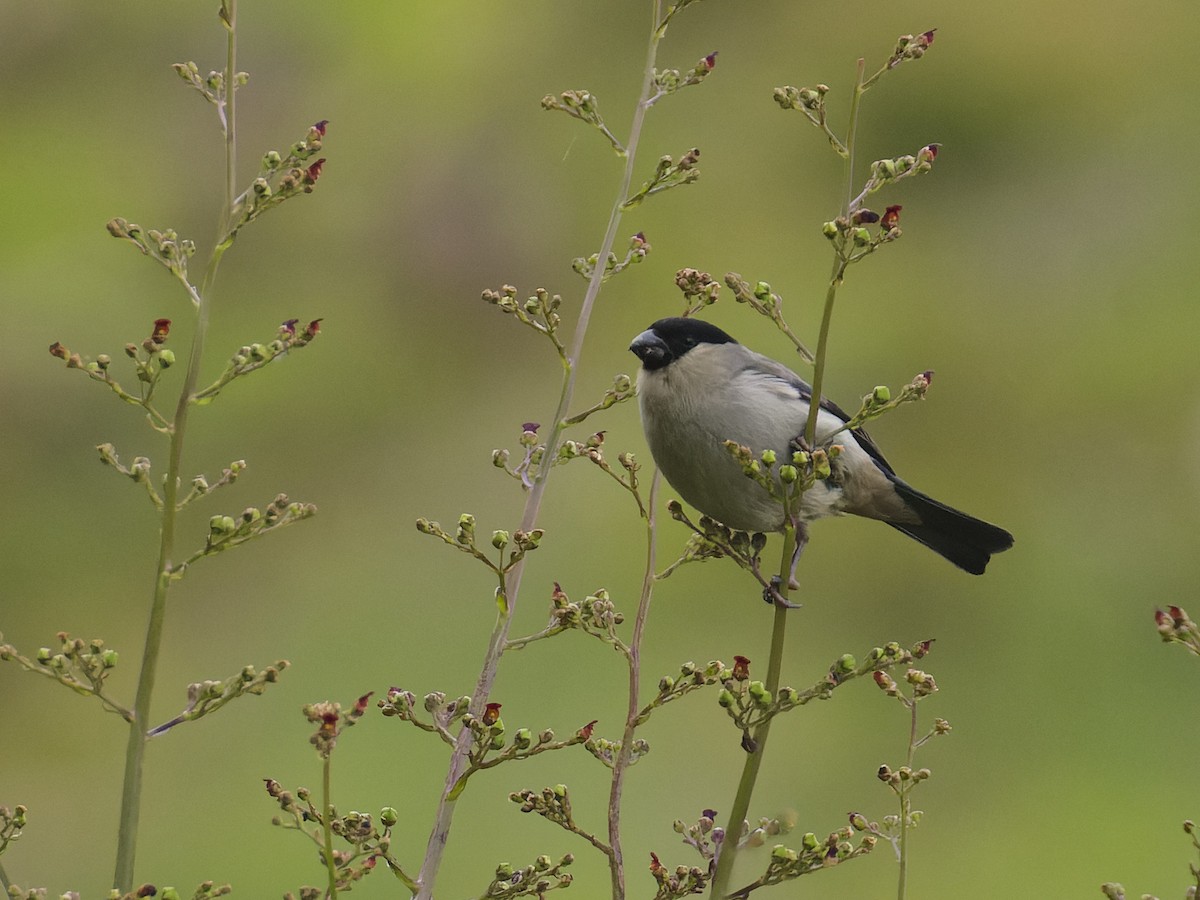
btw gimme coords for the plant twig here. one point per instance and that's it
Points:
(440, 833)
(131, 793)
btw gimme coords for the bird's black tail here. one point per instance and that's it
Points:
(964, 540)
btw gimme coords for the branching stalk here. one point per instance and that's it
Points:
(741, 804)
(131, 793)
(327, 825)
(633, 715)
(487, 675)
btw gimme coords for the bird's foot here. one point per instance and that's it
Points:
(772, 595)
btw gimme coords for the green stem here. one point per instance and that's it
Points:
(435, 849)
(906, 804)
(135, 750)
(741, 801)
(327, 824)
(839, 265)
(616, 858)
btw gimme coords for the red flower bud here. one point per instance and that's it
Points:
(313, 172)
(491, 714)
(289, 326)
(319, 127)
(313, 327)
(162, 327)
(586, 731)
(57, 349)
(741, 668)
(711, 60)
(890, 218)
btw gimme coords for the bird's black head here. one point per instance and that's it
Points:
(668, 339)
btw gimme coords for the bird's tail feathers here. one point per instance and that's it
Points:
(962, 539)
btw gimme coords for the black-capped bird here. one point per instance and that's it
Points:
(698, 388)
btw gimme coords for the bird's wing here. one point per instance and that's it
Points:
(790, 381)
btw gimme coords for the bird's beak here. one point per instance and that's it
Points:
(650, 349)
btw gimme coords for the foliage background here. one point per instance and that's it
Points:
(1047, 273)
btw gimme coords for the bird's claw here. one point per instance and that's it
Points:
(772, 595)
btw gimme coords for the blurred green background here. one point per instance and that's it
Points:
(1047, 273)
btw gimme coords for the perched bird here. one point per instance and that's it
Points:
(698, 388)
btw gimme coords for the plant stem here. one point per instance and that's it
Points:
(906, 804)
(135, 750)
(621, 764)
(745, 790)
(741, 803)
(327, 825)
(436, 846)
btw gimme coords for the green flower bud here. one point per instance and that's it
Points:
(666, 684)
(725, 698)
(809, 841)
(783, 854)
(560, 791)
(109, 658)
(788, 474)
(768, 457)
(504, 871)
(388, 816)
(861, 236)
(500, 539)
(881, 394)
(846, 663)
(830, 230)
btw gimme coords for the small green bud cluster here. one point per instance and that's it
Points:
(713, 540)
(401, 704)
(583, 105)
(703, 834)
(165, 247)
(210, 86)
(668, 81)
(204, 697)
(552, 803)
(897, 777)
(690, 678)
(1176, 627)
(463, 539)
(12, 821)
(596, 614)
(667, 174)
(226, 531)
(815, 854)
(809, 100)
(911, 47)
(252, 357)
(762, 299)
(538, 311)
(200, 484)
(150, 359)
(331, 720)
(81, 665)
(534, 880)
(699, 289)
(366, 840)
(607, 751)
(767, 827)
(282, 177)
(639, 247)
(680, 882)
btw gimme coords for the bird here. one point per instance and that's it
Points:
(698, 388)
